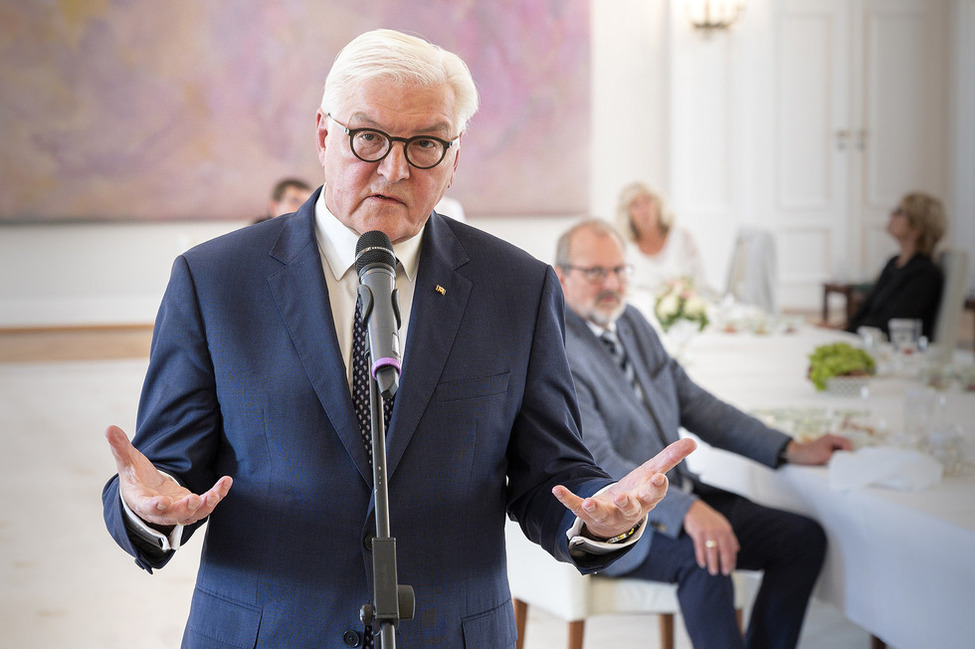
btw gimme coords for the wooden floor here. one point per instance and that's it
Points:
(132, 341)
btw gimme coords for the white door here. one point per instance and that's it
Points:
(860, 114)
(903, 116)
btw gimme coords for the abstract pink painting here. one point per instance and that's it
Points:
(124, 110)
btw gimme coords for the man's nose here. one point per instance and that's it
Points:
(395, 166)
(613, 280)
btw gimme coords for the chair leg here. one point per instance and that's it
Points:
(666, 631)
(521, 616)
(576, 630)
(877, 643)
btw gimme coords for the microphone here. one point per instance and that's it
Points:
(376, 267)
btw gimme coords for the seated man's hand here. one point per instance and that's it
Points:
(153, 497)
(715, 543)
(617, 509)
(817, 451)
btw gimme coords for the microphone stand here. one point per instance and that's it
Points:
(392, 602)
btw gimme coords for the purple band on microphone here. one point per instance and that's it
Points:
(383, 362)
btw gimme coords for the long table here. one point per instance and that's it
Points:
(900, 564)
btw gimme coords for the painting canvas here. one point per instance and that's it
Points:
(124, 110)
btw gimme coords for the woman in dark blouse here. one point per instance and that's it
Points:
(910, 284)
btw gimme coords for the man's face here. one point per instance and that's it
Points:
(601, 300)
(292, 198)
(390, 195)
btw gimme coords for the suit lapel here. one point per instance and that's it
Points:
(439, 301)
(301, 295)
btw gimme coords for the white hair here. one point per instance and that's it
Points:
(400, 58)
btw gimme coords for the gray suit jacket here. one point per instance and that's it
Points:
(622, 432)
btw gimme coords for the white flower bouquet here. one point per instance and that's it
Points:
(681, 302)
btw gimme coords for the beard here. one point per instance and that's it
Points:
(606, 315)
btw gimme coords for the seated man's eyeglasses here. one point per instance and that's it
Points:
(372, 145)
(599, 274)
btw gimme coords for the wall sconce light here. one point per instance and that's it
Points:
(709, 15)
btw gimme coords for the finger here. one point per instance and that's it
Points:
(649, 493)
(192, 508)
(712, 554)
(841, 443)
(671, 456)
(629, 507)
(215, 495)
(700, 552)
(121, 446)
(571, 501)
(729, 557)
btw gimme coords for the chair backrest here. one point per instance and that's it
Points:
(954, 265)
(753, 273)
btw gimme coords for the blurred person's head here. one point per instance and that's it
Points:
(919, 220)
(591, 265)
(639, 210)
(287, 196)
(393, 113)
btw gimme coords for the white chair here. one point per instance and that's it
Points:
(537, 579)
(753, 273)
(954, 265)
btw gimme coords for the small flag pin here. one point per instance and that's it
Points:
(440, 289)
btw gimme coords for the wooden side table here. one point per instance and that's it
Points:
(853, 293)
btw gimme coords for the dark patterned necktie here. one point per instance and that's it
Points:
(360, 383)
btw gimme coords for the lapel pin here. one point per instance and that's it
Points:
(440, 289)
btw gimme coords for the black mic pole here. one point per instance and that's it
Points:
(392, 602)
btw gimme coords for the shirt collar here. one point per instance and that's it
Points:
(600, 330)
(337, 243)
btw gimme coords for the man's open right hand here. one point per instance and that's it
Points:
(154, 497)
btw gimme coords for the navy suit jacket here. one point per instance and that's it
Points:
(623, 432)
(245, 379)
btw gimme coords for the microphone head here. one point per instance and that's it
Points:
(372, 248)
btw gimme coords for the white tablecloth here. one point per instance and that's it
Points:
(900, 564)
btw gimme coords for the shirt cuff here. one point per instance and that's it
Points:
(166, 542)
(580, 543)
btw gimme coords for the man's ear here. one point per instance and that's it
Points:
(456, 160)
(321, 132)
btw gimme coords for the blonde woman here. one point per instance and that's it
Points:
(659, 251)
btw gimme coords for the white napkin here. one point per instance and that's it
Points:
(895, 468)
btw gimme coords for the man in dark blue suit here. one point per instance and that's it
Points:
(247, 421)
(634, 399)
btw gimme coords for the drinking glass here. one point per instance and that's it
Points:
(905, 334)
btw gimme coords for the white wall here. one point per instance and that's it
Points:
(696, 113)
(70, 274)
